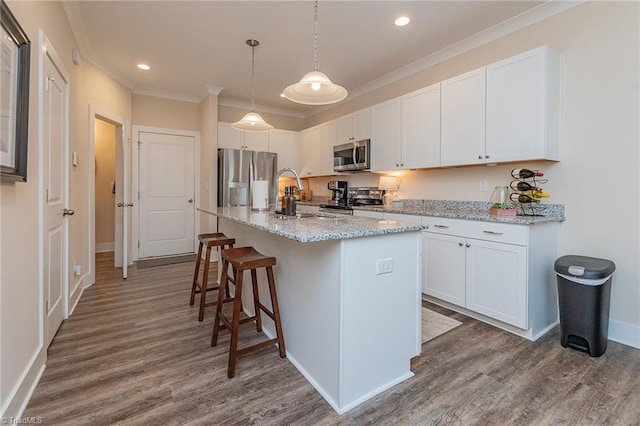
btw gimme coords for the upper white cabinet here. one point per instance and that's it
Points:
(421, 128)
(506, 111)
(316, 150)
(406, 131)
(386, 149)
(463, 119)
(310, 149)
(285, 144)
(522, 107)
(228, 137)
(354, 127)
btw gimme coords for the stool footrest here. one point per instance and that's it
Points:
(266, 311)
(215, 302)
(255, 347)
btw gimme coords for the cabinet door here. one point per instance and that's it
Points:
(463, 119)
(345, 129)
(256, 141)
(328, 140)
(443, 267)
(285, 144)
(228, 137)
(516, 107)
(362, 124)
(421, 128)
(310, 151)
(497, 281)
(386, 135)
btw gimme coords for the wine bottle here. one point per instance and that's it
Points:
(537, 193)
(525, 173)
(523, 198)
(524, 186)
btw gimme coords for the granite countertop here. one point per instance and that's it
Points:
(468, 210)
(474, 210)
(321, 227)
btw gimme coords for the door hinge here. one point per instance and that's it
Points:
(138, 244)
(138, 195)
(46, 304)
(46, 194)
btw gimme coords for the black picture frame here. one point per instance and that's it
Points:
(18, 115)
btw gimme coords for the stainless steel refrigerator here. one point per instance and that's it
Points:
(238, 168)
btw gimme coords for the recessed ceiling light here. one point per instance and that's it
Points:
(144, 67)
(402, 21)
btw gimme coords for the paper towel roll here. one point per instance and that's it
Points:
(260, 194)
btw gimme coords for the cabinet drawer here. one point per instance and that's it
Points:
(489, 231)
(499, 232)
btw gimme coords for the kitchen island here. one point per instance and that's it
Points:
(349, 293)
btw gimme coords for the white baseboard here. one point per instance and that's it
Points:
(76, 294)
(103, 247)
(21, 393)
(624, 333)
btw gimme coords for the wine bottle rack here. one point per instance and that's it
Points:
(527, 192)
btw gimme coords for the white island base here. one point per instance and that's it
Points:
(350, 331)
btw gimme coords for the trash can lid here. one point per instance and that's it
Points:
(584, 267)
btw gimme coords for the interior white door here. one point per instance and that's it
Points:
(167, 194)
(54, 126)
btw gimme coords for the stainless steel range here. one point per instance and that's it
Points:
(364, 196)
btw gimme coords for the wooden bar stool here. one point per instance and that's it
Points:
(246, 259)
(208, 240)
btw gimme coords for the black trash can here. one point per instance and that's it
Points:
(584, 292)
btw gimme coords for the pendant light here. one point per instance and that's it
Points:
(315, 88)
(252, 121)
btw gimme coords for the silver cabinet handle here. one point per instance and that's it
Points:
(460, 244)
(492, 232)
(487, 156)
(67, 212)
(468, 245)
(480, 157)
(190, 200)
(441, 226)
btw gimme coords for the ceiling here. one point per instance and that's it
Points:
(191, 45)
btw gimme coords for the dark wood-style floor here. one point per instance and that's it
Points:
(133, 352)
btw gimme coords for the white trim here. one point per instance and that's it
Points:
(627, 334)
(212, 90)
(104, 247)
(166, 94)
(20, 395)
(135, 180)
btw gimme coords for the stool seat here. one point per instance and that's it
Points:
(246, 259)
(209, 241)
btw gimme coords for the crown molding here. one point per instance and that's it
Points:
(166, 94)
(260, 108)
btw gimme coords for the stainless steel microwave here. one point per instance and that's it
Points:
(352, 156)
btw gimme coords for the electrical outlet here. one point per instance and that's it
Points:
(77, 270)
(384, 266)
(484, 185)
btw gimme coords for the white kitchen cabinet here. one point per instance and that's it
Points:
(386, 141)
(310, 151)
(443, 272)
(354, 127)
(499, 273)
(316, 150)
(463, 119)
(421, 128)
(522, 107)
(228, 137)
(285, 144)
(329, 137)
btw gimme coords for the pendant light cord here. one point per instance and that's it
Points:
(315, 38)
(253, 77)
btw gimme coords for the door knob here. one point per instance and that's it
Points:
(130, 205)
(67, 212)
(120, 204)
(190, 200)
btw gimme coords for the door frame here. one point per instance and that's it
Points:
(96, 112)
(45, 48)
(135, 179)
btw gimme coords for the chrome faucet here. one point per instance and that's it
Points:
(278, 174)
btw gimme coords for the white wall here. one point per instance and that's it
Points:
(105, 197)
(22, 356)
(597, 179)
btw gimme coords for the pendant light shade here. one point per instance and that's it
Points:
(252, 121)
(315, 88)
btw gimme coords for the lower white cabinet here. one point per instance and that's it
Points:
(502, 272)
